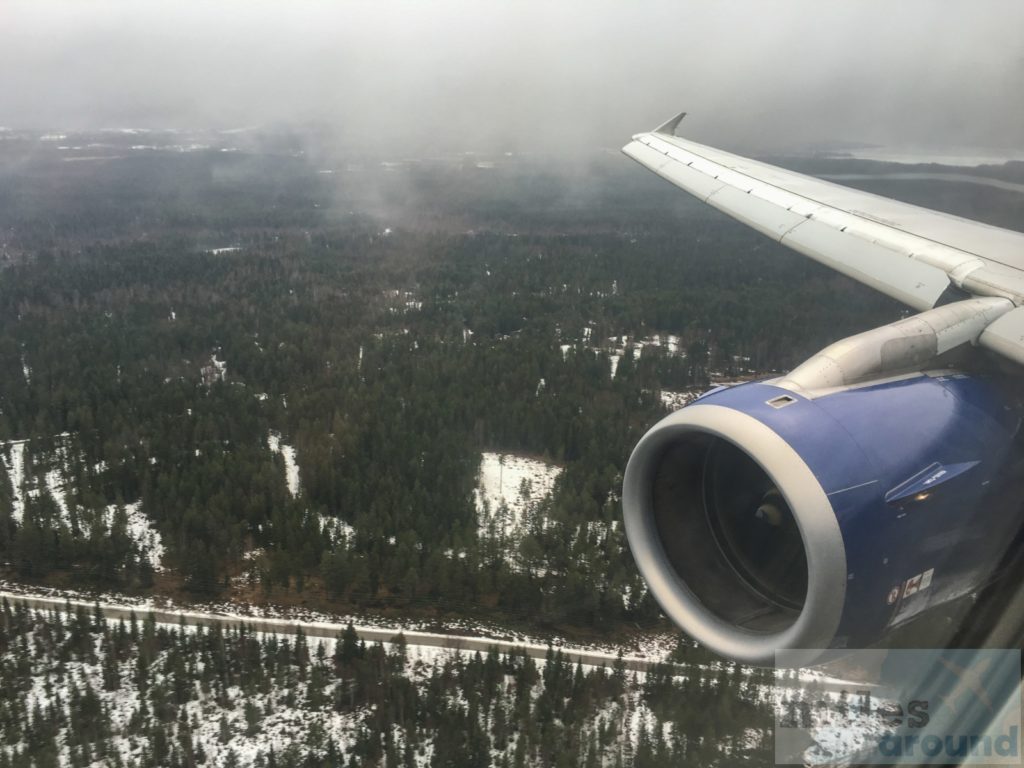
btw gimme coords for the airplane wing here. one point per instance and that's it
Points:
(920, 257)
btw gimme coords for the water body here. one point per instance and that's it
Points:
(964, 178)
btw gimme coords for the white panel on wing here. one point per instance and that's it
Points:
(914, 283)
(763, 216)
(694, 182)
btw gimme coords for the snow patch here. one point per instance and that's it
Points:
(620, 346)
(507, 485)
(673, 401)
(214, 371)
(141, 530)
(339, 530)
(14, 463)
(613, 359)
(55, 486)
(291, 468)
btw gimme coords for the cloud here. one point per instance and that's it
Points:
(447, 75)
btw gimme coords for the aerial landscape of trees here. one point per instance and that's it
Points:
(388, 357)
(242, 378)
(141, 693)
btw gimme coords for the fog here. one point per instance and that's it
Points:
(525, 76)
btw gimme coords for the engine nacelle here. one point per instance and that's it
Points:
(763, 519)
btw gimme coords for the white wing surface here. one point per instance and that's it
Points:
(918, 256)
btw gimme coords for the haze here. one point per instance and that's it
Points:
(514, 76)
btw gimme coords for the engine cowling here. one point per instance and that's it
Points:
(764, 519)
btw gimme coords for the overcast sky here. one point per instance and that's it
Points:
(524, 75)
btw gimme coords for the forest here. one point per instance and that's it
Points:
(168, 321)
(79, 690)
(268, 375)
(146, 373)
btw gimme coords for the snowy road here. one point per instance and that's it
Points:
(587, 657)
(331, 630)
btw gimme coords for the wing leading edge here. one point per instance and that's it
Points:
(915, 255)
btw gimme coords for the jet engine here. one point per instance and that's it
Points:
(827, 508)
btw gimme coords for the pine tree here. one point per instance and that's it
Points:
(224, 735)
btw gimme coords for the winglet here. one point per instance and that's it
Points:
(669, 126)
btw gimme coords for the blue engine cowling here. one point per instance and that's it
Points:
(764, 520)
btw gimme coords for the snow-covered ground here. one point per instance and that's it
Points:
(141, 530)
(291, 468)
(838, 726)
(835, 722)
(399, 300)
(220, 366)
(14, 463)
(220, 731)
(55, 486)
(676, 400)
(340, 532)
(430, 646)
(613, 360)
(619, 346)
(467, 634)
(54, 469)
(234, 725)
(670, 342)
(507, 485)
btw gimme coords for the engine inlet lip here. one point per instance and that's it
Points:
(816, 624)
